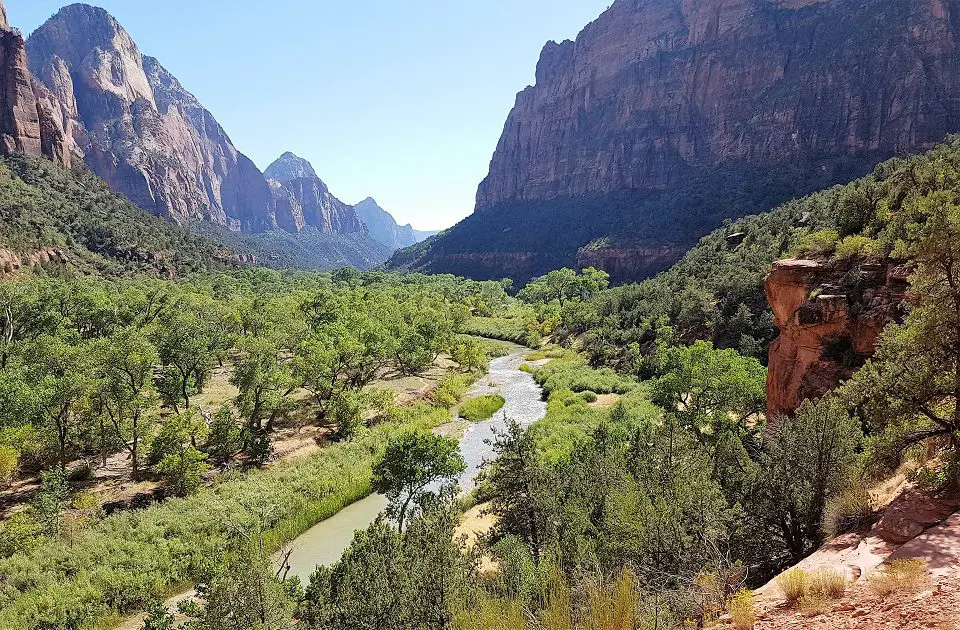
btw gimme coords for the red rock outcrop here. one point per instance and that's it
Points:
(28, 122)
(655, 88)
(11, 262)
(830, 314)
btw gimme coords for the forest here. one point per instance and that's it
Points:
(654, 493)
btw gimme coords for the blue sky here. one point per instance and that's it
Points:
(402, 100)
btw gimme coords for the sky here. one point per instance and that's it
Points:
(401, 100)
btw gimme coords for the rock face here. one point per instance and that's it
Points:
(303, 199)
(29, 120)
(384, 228)
(140, 130)
(657, 93)
(830, 314)
(654, 88)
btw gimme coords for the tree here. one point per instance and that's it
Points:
(807, 459)
(709, 390)
(412, 462)
(59, 381)
(127, 360)
(183, 470)
(263, 374)
(52, 500)
(909, 393)
(559, 285)
(192, 337)
(158, 618)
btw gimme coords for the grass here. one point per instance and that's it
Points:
(900, 576)
(453, 387)
(575, 374)
(793, 585)
(482, 408)
(514, 329)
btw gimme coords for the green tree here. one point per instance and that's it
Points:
(183, 470)
(412, 462)
(158, 618)
(52, 500)
(709, 390)
(127, 361)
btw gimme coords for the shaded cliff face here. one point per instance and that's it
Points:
(638, 131)
(830, 315)
(385, 229)
(30, 121)
(140, 129)
(302, 198)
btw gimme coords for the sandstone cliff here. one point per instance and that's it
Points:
(830, 314)
(302, 198)
(140, 129)
(29, 120)
(635, 135)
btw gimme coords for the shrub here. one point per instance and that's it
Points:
(452, 388)
(828, 584)
(900, 576)
(482, 408)
(851, 510)
(9, 461)
(819, 242)
(793, 584)
(526, 368)
(854, 247)
(741, 610)
(590, 397)
(813, 604)
(18, 534)
(184, 471)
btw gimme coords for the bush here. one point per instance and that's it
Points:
(183, 471)
(741, 610)
(590, 397)
(577, 376)
(851, 510)
(828, 583)
(821, 242)
(794, 585)
(9, 461)
(482, 408)
(452, 388)
(900, 576)
(854, 247)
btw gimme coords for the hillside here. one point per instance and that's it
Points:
(662, 119)
(54, 214)
(385, 229)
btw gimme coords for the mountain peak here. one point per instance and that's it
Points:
(289, 167)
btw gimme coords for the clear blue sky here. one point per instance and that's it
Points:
(402, 100)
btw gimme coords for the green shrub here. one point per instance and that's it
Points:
(183, 471)
(821, 242)
(452, 388)
(577, 376)
(590, 397)
(482, 408)
(9, 461)
(854, 247)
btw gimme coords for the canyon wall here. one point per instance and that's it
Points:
(830, 314)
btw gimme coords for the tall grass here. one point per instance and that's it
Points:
(574, 374)
(124, 561)
(482, 408)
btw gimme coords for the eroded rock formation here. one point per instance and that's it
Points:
(302, 198)
(830, 314)
(140, 129)
(28, 116)
(654, 88)
(674, 101)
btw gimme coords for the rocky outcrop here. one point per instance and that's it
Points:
(28, 116)
(385, 229)
(302, 198)
(11, 262)
(655, 88)
(830, 314)
(139, 128)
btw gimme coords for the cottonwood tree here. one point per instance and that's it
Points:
(413, 462)
(126, 393)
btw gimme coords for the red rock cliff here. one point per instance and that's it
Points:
(654, 88)
(830, 314)
(28, 119)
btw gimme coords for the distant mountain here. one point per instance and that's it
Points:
(139, 129)
(301, 198)
(384, 228)
(664, 118)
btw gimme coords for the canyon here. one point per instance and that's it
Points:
(634, 135)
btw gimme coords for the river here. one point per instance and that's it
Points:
(326, 541)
